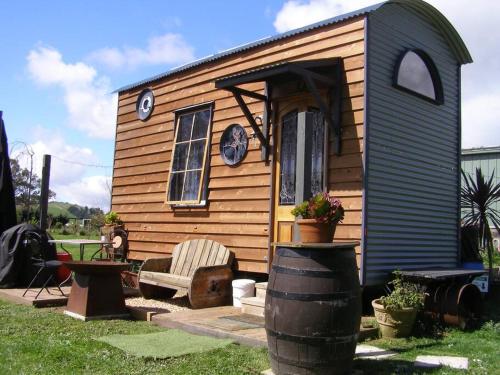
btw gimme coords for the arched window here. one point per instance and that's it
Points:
(416, 73)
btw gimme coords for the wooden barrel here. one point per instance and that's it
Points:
(313, 309)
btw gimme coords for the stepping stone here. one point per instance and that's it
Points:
(438, 361)
(270, 372)
(372, 352)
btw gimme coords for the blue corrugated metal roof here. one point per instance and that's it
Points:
(456, 43)
(257, 43)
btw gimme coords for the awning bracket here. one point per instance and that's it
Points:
(237, 93)
(304, 69)
(331, 113)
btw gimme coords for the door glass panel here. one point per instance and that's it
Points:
(317, 153)
(288, 156)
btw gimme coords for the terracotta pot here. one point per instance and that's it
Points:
(311, 231)
(394, 323)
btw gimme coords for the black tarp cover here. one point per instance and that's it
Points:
(7, 200)
(16, 264)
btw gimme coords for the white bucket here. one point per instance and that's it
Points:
(242, 288)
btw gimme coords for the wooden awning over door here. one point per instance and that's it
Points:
(314, 74)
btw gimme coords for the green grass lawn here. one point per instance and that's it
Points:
(43, 341)
(75, 249)
(481, 346)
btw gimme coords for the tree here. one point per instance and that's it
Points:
(478, 199)
(27, 187)
(97, 219)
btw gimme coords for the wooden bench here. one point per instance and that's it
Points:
(202, 268)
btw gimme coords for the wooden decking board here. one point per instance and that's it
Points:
(209, 322)
(44, 299)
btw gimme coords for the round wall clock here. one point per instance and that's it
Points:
(145, 104)
(233, 144)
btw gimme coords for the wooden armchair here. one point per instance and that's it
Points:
(202, 268)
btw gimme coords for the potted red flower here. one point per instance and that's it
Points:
(317, 217)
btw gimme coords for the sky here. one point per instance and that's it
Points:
(60, 62)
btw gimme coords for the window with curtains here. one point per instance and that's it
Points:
(186, 181)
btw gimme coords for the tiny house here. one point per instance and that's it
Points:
(365, 105)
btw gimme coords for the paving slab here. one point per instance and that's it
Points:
(372, 352)
(433, 361)
(54, 298)
(270, 372)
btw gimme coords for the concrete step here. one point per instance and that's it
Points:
(260, 290)
(253, 306)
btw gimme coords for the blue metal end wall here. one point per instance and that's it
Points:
(412, 165)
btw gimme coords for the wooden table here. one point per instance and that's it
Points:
(96, 292)
(81, 243)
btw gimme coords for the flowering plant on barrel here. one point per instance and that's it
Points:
(318, 217)
(322, 207)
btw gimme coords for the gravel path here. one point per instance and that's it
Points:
(178, 303)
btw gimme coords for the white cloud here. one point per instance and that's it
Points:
(481, 113)
(297, 13)
(68, 173)
(480, 32)
(169, 48)
(91, 107)
(92, 191)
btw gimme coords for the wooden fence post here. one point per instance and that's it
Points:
(44, 192)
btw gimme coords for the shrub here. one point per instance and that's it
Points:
(112, 218)
(403, 295)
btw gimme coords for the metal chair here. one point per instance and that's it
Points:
(46, 268)
(117, 251)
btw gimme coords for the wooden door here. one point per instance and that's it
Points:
(294, 139)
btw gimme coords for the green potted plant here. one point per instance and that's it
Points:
(112, 219)
(317, 217)
(396, 312)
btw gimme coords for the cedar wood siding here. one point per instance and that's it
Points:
(412, 198)
(238, 210)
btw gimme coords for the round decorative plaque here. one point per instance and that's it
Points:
(233, 144)
(145, 104)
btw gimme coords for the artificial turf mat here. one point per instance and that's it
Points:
(171, 343)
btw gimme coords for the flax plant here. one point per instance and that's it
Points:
(478, 197)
